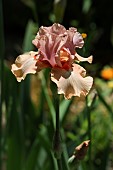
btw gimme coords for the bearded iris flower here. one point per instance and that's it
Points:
(57, 50)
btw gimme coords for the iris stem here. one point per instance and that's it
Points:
(89, 131)
(90, 101)
(57, 146)
(59, 163)
(57, 137)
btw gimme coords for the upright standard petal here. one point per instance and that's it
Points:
(72, 82)
(49, 46)
(24, 64)
(78, 40)
(55, 29)
(75, 40)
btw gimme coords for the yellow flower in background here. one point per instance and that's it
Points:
(110, 84)
(84, 35)
(107, 73)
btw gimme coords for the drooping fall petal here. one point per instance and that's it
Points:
(24, 65)
(72, 82)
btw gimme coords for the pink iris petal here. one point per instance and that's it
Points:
(24, 65)
(49, 41)
(56, 29)
(74, 41)
(72, 82)
(50, 47)
(78, 40)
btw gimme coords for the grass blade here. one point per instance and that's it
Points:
(31, 29)
(64, 108)
(15, 143)
(101, 98)
(59, 9)
(47, 96)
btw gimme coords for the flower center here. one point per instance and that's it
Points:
(65, 59)
(64, 56)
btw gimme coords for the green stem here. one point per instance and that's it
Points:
(59, 163)
(56, 102)
(89, 132)
(90, 101)
(57, 138)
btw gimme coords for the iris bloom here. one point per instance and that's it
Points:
(57, 50)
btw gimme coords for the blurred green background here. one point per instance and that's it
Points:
(26, 109)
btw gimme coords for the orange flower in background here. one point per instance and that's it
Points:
(107, 73)
(57, 50)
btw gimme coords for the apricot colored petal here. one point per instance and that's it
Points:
(80, 58)
(24, 64)
(72, 82)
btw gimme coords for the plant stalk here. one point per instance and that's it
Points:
(89, 131)
(57, 146)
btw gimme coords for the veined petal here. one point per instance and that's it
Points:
(72, 82)
(49, 46)
(80, 58)
(75, 40)
(78, 40)
(56, 29)
(24, 64)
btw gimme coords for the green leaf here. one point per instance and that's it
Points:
(101, 98)
(31, 4)
(59, 10)
(86, 5)
(33, 155)
(30, 32)
(47, 96)
(65, 156)
(15, 136)
(64, 108)
(40, 154)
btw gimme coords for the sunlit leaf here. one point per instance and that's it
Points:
(59, 9)
(30, 32)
